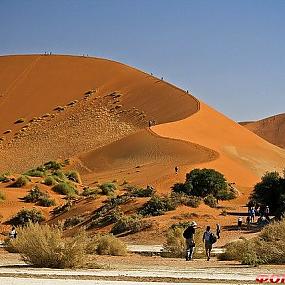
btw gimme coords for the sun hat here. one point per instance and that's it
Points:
(193, 224)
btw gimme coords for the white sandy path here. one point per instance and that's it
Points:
(22, 281)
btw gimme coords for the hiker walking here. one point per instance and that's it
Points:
(188, 234)
(218, 230)
(239, 223)
(176, 168)
(209, 239)
(252, 214)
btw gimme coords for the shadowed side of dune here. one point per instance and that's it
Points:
(271, 129)
(145, 149)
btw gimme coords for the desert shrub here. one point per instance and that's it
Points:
(44, 246)
(20, 120)
(143, 192)
(73, 176)
(227, 194)
(73, 221)
(35, 173)
(4, 178)
(34, 195)
(108, 188)
(267, 248)
(59, 176)
(183, 199)
(46, 201)
(157, 206)
(175, 243)
(62, 208)
(118, 200)
(26, 216)
(49, 181)
(52, 165)
(110, 245)
(90, 192)
(211, 201)
(103, 219)
(64, 188)
(21, 182)
(182, 188)
(2, 196)
(130, 224)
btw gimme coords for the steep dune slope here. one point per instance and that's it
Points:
(97, 112)
(76, 104)
(244, 157)
(271, 129)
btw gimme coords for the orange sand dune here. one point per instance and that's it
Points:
(244, 157)
(103, 132)
(271, 129)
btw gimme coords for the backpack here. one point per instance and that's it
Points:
(188, 233)
(213, 238)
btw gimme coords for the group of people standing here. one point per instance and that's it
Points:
(209, 239)
(262, 212)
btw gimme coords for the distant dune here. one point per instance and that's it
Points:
(271, 129)
(97, 112)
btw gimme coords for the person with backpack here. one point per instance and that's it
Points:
(188, 234)
(209, 239)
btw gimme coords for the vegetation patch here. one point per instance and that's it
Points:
(73, 176)
(130, 224)
(267, 248)
(158, 206)
(73, 221)
(64, 188)
(44, 246)
(26, 216)
(21, 181)
(19, 121)
(108, 188)
(110, 245)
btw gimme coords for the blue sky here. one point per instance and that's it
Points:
(228, 53)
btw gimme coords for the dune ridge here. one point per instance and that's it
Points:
(272, 129)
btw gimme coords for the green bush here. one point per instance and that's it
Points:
(26, 216)
(267, 248)
(183, 199)
(49, 181)
(227, 194)
(90, 192)
(46, 202)
(58, 176)
(130, 224)
(4, 178)
(64, 188)
(185, 188)
(73, 176)
(35, 173)
(21, 182)
(103, 219)
(110, 245)
(108, 188)
(211, 201)
(141, 192)
(206, 181)
(2, 196)
(157, 206)
(72, 222)
(44, 246)
(62, 208)
(52, 165)
(34, 195)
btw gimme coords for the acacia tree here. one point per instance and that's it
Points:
(270, 191)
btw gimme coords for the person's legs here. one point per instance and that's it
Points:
(191, 253)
